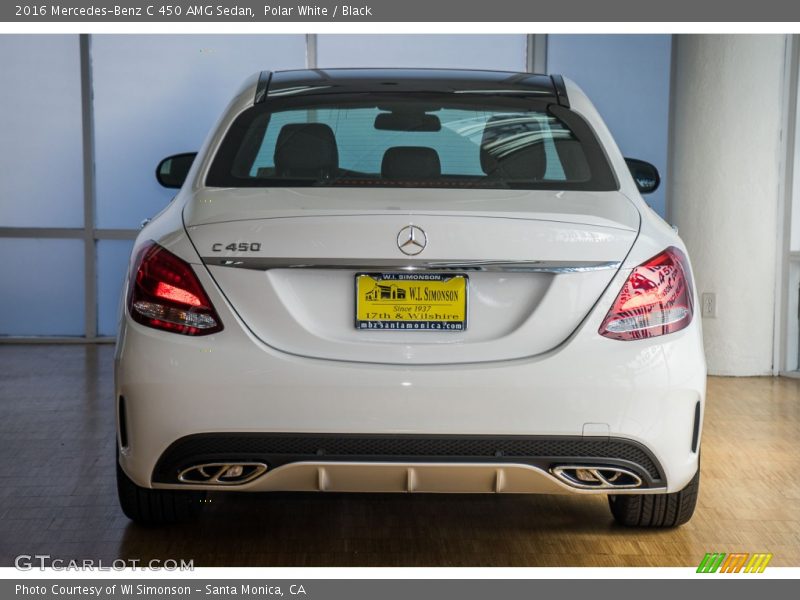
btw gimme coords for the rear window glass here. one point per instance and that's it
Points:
(410, 141)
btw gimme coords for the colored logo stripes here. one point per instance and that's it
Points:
(737, 562)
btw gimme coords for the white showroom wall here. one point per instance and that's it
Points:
(725, 166)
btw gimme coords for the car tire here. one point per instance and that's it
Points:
(656, 510)
(156, 507)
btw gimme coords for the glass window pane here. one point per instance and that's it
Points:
(502, 52)
(418, 140)
(41, 181)
(45, 296)
(159, 95)
(112, 266)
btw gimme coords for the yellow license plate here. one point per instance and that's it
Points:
(411, 301)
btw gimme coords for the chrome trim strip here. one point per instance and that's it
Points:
(403, 264)
(518, 92)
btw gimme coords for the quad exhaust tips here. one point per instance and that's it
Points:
(222, 473)
(596, 478)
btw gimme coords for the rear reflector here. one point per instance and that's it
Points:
(166, 294)
(656, 299)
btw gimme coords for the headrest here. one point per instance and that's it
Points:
(306, 150)
(411, 162)
(513, 148)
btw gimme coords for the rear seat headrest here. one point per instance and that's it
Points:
(306, 150)
(411, 162)
(512, 147)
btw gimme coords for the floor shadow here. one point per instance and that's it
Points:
(371, 530)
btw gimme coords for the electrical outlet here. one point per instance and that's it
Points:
(708, 305)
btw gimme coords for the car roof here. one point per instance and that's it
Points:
(453, 81)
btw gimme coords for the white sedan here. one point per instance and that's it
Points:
(409, 281)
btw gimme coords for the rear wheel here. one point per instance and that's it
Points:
(156, 507)
(656, 510)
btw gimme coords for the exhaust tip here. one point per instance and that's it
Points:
(222, 473)
(593, 477)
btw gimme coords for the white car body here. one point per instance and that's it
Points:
(531, 364)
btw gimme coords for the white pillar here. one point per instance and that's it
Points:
(725, 170)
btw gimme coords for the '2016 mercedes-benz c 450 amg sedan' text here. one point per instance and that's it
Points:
(409, 281)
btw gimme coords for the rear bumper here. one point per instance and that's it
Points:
(230, 384)
(590, 388)
(403, 462)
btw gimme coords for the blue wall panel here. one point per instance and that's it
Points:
(160, 95)
(41, 287)
(41, 173)
(627, 78)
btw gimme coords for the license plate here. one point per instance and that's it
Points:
(411, 301)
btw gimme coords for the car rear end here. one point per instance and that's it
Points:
(451, 286)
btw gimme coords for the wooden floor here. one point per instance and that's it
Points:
(57, 493)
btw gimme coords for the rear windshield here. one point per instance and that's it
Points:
(409, 140)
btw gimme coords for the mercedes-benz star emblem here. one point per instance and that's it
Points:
(411, 240)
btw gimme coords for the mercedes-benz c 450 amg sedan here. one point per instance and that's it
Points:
(409, 281)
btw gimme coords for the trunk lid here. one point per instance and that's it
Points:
(535, 263)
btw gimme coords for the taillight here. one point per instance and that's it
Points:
(166, 294)
(656, 299)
